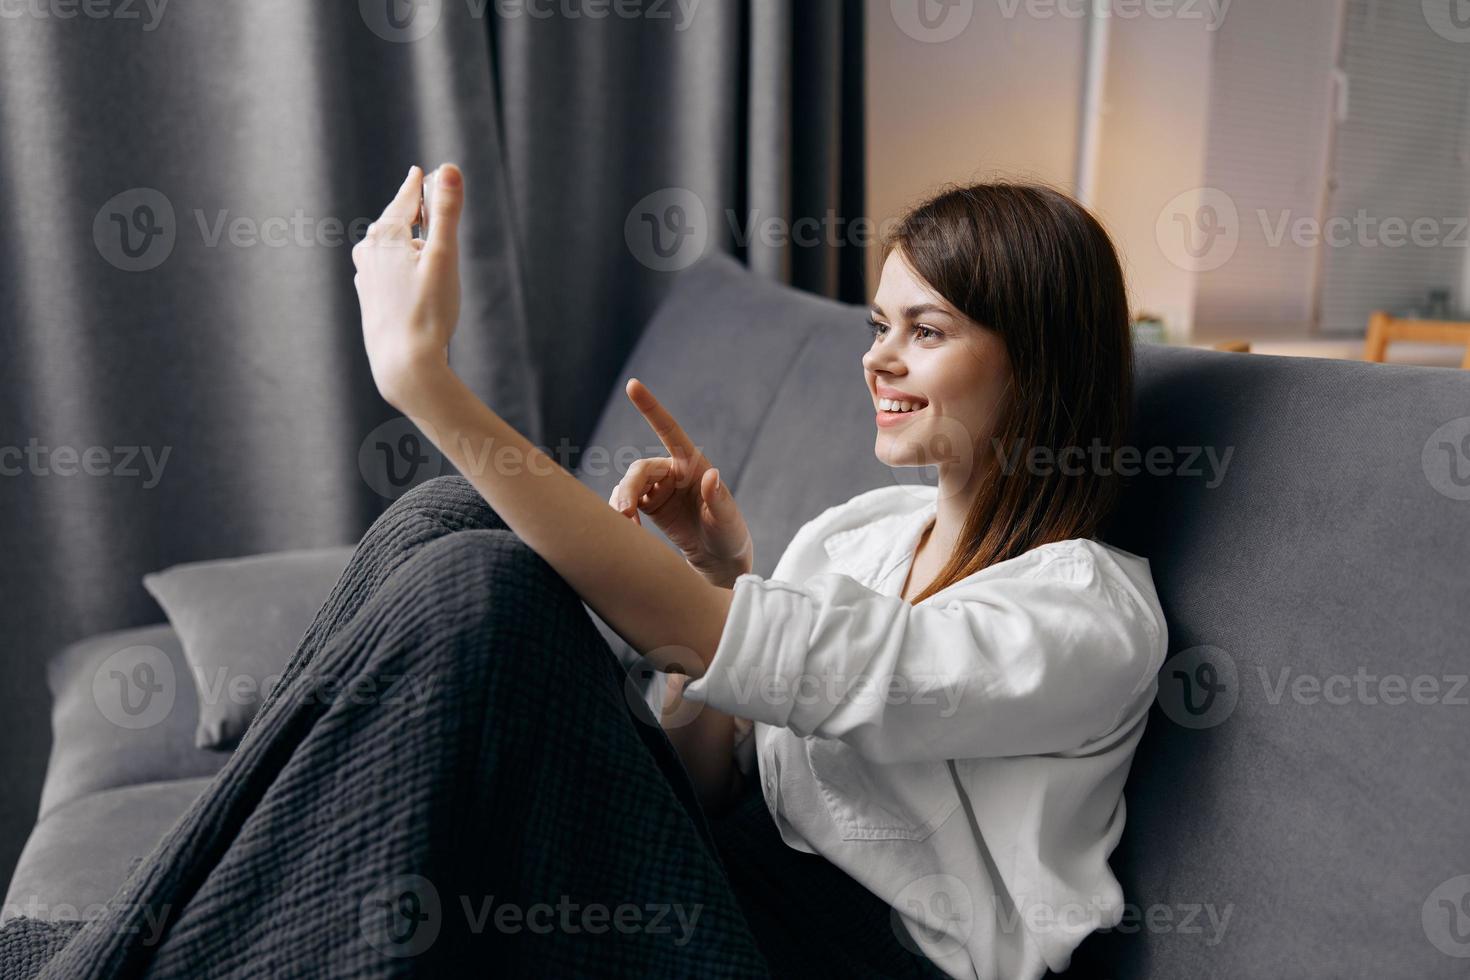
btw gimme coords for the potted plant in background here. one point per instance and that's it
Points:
(1148, 328)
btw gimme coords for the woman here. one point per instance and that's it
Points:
(932, 703)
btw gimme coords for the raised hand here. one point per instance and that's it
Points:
(684, 496)
(408, 288)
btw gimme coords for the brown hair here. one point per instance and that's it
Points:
(1034, 266)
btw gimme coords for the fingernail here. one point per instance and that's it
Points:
(717, 481)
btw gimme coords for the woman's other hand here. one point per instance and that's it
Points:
(409, 288)
(686, 498)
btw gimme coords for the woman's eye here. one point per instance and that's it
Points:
(923, 332)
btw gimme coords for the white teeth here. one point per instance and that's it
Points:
(890, 405)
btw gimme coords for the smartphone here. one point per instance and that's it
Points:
(426, 201)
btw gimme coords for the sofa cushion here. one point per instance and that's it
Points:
(96, 743)
(1291, 777)
(80, 853)
(239, 620)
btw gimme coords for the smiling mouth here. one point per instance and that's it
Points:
(886, 418)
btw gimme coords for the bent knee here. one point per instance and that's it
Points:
(493, 581)
(477, 550)
(451, 500)
(489, 566)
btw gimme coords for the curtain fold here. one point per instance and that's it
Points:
(181, 369)
(635, 145)
(177, 286)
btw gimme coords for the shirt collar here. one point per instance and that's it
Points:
(871, 552)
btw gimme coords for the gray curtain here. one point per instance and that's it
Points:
(181, 375)
(743, 114)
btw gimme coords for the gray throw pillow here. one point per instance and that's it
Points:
(239, 620)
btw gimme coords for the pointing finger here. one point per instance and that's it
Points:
(669, 432)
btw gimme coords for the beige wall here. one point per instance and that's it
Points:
(1003, 98)
(1272, 97)
(1154, 130)
(999, 99)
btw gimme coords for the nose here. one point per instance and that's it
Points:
(882, 357)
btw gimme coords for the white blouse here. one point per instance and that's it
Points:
(963, 758)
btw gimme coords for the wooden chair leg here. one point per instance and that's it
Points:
(1376, 346)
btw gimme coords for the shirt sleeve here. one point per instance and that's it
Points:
(1027, 665)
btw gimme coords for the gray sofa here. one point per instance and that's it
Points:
(1285, 818)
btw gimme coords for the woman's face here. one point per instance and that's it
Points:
(927, 353)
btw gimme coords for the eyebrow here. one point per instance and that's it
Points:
(913, 312)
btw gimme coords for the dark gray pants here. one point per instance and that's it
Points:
(807, 917)
(525, 816)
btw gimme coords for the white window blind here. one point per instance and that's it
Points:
(1271, 104)
(1400, 153)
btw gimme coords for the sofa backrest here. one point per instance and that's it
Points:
(1300, 804)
